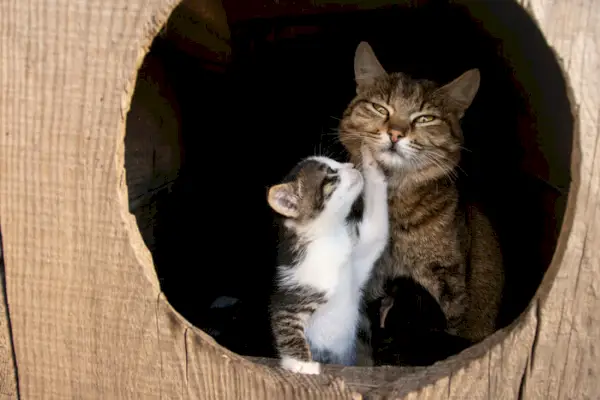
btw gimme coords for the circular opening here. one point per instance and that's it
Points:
(214, 121)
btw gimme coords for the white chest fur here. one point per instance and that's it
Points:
(326, 261)
(327, 267)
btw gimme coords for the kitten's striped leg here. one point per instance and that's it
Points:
(288, 329)
(364, 351)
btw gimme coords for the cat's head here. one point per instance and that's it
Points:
(317, 187)
(410, 125)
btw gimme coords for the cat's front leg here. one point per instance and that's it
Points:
(288, 322)
(446, 283)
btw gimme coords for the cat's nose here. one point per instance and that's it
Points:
(396, 131)
(395, 135)
(348, 165)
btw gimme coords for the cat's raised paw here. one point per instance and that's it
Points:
(300, 367)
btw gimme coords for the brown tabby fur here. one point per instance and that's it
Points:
(447, 247)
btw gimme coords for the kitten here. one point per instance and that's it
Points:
(325, 258)
(413, 129)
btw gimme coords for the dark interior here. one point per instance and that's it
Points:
(244, 121)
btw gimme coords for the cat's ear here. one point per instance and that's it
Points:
(366, 65)
(462, 90)
(283, 199)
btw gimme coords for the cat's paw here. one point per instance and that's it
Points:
(370, 167)
(300, 367)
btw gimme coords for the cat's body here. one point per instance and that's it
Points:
(457, 260)
(446, 245)
(325, 259)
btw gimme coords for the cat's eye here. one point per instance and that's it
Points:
(380, 109)
(328, 188)
(425, 118)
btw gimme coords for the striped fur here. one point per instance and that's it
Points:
(413, 128)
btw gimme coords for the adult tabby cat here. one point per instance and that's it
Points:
(413, 130)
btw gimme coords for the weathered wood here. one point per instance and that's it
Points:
(363, 380)
(88, 318)
(8, 377)
(80, 286)
(564, 360)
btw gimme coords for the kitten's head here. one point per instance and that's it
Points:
(316, 187)
(410, 125)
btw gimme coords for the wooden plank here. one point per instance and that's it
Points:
(564, 361)
(80, 285)
(8, 372)
(88, 317)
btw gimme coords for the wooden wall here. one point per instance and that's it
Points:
(86, 318)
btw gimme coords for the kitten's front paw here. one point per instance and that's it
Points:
(371, 168)
(300, 367)
(368, 160)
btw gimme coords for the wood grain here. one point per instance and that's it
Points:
(88, 318)
(8, 377)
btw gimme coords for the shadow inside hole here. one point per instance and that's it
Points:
(222, 136)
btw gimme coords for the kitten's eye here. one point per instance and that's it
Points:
(425, 118)
(380, 109)
(328, 188)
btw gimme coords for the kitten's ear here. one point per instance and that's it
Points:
(366, 65)
(462, 90)
(283, 199)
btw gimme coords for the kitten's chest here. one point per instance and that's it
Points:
(326, 262)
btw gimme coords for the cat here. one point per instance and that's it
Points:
(325, 257)
(449, 247)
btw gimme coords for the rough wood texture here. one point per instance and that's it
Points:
(8, 378)
(87, 316)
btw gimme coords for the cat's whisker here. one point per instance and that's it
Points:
(339, 130)
(447, 171)
(445, 167)
(445, 159)
(462, 170)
